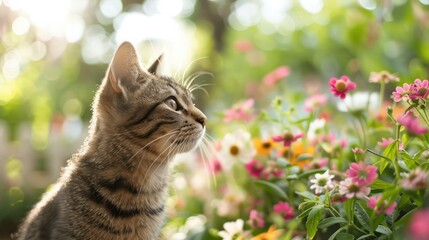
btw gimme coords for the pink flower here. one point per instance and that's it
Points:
(288, 138)
(373, 202)
(240, 111)
(314, 102)
(420, 89)
(351, 189)
(418, 228)
(216, 166)
(255, 219)
(401, 93)
(284, 209)
(341, 86)
(417, 179)
(273, 77)
(243, 46)
(254, 168)
(383, 76)
(385, 142)
(362, 174)
(411, 124)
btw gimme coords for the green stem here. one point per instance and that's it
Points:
(352, 212)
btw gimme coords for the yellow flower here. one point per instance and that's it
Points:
(264, 147)
(271, 234)
(298, 149)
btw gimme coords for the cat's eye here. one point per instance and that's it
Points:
(171, 103)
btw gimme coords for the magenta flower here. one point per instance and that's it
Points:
(418, 228)
(374, 201)
(352, 189)
(278, 74)
(362, 174)
(288, 138)
(255, 219)
(419, 89)
(385, 142)
(240, 111)
(341, 86)
(314, 102)
(402, 93)
(254, 168)
(411, 124)
(284, 209)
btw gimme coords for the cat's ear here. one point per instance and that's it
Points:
(154, 68)
(125, 69)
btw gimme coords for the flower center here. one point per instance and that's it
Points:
(340, 86)
(354, 188)
(362, 174)
(234, 150)
(266, 145)
(288, 137)
(422, 91)
(322, 182)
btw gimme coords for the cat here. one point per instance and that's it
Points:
(115, 187)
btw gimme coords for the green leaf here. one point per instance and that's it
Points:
(332, 237)
(313, 220)
(383, 230)
(389, 153)
(362, 216)
(306, 194)
(271, 187)
(380, 184)
(304, 214)
(327, 222)
(409, 160)
(366, 236)
(304, 157)
(345, 236)
(305, 174)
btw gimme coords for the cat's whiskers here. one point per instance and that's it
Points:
(182, 79)
(153, 162)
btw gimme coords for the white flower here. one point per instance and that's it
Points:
(232, 230)
(360, 101)
(315, 127)
(322, 182)
(351, 189)
(236, 146)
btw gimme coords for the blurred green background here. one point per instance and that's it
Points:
(54, 53)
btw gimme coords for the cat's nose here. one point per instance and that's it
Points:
(200, 117)
(202, 120)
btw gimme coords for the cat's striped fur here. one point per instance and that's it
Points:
(115, 187)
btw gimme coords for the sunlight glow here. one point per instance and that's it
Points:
(312, 6)
(20, 26)
(11, 65)
(368, 4)
(110, 8)
(170, 8)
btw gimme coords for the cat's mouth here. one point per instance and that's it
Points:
(189, 140)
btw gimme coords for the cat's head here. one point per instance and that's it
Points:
(150, 110)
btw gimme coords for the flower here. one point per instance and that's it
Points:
(284, 209)
(417, 179)
(288, 138)
(255, 219)
(374, 204)
(341, 86)
(294, 151)
(273, 170)
(236, 146)
(240, 111)
(243, 46)
(254, 168)
(232, 230)
(314, 102)
(264, 147)
(360, 101)
(322, 182)
(401, 93)
(273, 77)
(383, 76)
(351, 189)
(411, 124)
(419, 89)
(271, 234)
(385, 142)
(362, 174)
(418, 228)
(317, 163)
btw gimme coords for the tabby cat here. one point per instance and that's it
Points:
(115, 187)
